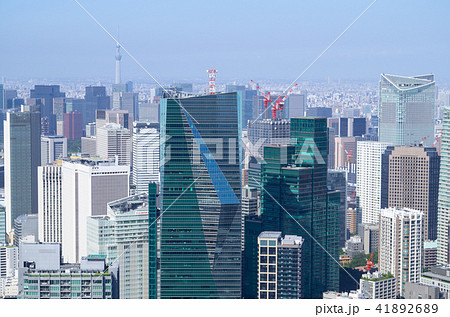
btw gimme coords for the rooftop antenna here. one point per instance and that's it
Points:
(118, 58)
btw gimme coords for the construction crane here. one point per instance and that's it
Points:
(370, 263)
(279, 104)
(266, 95)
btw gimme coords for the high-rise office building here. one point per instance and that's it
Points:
(249, 203)
(247, 96)
(26, 229)
(95, 99)
(114, 140)
(401, 245)
(429, 254)
(122, 236)
(337, 180)
(410, 179)
(443, 226)
(319, 112)
(129, 101)
(2, 225)
(87, 187)
(91, 129)
(59, 108)
(369, 234)
(345, 153)
(89, 146)
(121, 117)
(266, 132)
(50, 203)
(206, 262)
(8, 261)
(296, 105)
(22, 157)
(145, 155)
(73, 125)
(368, 179)
(42, 96)
(406, 109)
(280, 266)
(285, 173)
(52, 148)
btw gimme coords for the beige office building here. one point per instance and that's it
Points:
(410, 179)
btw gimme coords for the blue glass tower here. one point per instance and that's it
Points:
(201, 193)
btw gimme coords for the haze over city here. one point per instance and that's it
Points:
(262, 40)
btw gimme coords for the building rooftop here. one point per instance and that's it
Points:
(270, 235)
(438, 272)
(136, 203)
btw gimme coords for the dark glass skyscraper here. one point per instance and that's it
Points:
(43, 95)
(22, 157)
(295, 177)
(201, 193)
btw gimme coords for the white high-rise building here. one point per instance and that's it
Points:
(401, 245)
(368, 179)
(122, 236)
(114, 140)
(50, 203)
(53, 147)
(88, 185)
(8, 261)
(443, 223)
(145, 155)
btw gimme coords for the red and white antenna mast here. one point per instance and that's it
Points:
(212, 80)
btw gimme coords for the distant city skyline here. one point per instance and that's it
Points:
(180, 40)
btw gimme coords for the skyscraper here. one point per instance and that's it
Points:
(145, 155)
(73, 125)
(42, 96)
(2, 225)
(22, 157)
(406, 109)
(267, 131)
(280, 266)
(87, 187)
(95, 99)
(122, 236)
(25, 229)
(295, 177)
(114, 140)
(443, 226)
(368, 179)
(401, 245)
(52, 148)
(50, 203)
(201, 192)
(337, 180)
(410, 179)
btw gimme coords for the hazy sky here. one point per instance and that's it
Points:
(245, 39)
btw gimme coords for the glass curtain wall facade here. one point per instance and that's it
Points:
(295, 177)
(406, 109)
(201, 194)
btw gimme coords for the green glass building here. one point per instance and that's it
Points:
(200, 242)
(295, 177)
